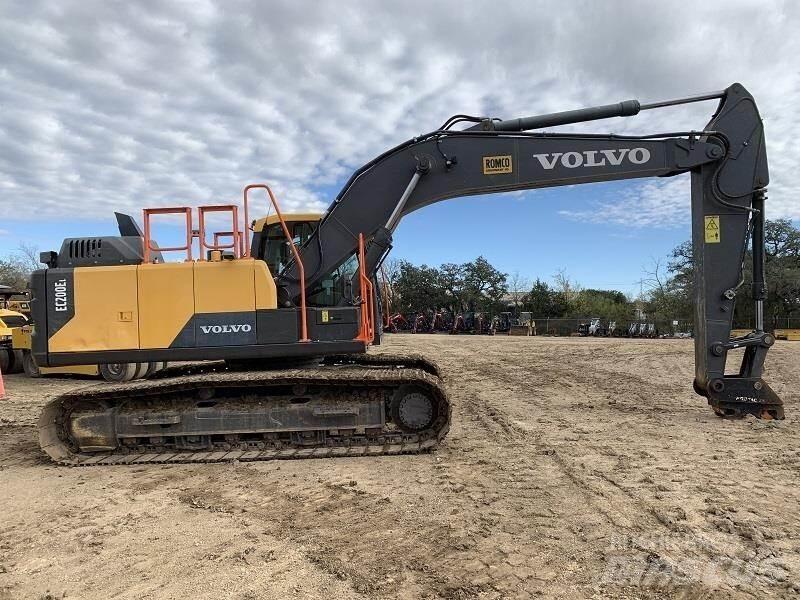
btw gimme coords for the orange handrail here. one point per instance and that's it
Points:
(204, 245)
(298, 261)
(218, 235)
(367, 332)
(177, 210)
(247, 226)
(387, 301)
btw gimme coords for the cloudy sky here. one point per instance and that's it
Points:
(118, 105)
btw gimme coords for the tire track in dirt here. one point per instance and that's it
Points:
(350, 533)
(19, 447)
(611, 498)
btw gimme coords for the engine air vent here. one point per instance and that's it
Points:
(86, 248)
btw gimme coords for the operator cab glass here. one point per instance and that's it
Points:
(275, 251)
(337, 286)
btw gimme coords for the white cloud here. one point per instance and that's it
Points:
(662, 203)
(108, 106)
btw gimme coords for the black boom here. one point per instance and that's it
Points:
(728, 165)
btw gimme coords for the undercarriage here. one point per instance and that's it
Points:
(341, 406)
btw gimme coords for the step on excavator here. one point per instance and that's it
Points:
(291, 308)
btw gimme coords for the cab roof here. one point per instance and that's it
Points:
(259, 224)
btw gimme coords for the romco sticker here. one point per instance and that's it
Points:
(494, 165)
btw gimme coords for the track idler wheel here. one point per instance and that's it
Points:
(412, 409)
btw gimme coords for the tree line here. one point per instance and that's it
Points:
(672, 285)
(479, 286)
(16, 267)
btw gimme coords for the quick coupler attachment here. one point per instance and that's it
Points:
(737, 397)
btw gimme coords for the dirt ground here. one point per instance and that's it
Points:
(575, 468)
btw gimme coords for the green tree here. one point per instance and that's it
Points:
(782, 268)
(417, 288)
(607, 304)
(538, 300)
(475, 285)
(452, 281)
(544, 301)
(782, 271)
(484, 285)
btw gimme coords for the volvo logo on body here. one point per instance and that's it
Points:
(593, 158)
(226, 328)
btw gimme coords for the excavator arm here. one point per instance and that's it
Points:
(728, 165)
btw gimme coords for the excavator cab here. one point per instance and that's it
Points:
(270, 245)
(269, 241)
(14, 300)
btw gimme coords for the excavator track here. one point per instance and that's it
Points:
(352, 405)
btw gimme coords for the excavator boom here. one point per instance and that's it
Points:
(728, 164)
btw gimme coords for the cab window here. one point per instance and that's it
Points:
(276, 251)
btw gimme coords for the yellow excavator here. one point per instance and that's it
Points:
(11, 360)
(288, 308)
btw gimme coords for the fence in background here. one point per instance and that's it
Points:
(550, 326)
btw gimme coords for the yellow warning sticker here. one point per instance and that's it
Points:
(712, 229)
(493, 165)
(324, 316)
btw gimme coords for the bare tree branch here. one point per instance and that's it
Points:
(518, 288)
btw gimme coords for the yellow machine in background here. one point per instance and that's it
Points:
(15, 300)
(11, 360)
(792, 335)
(13, 313)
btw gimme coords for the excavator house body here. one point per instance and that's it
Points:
(177, 311)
